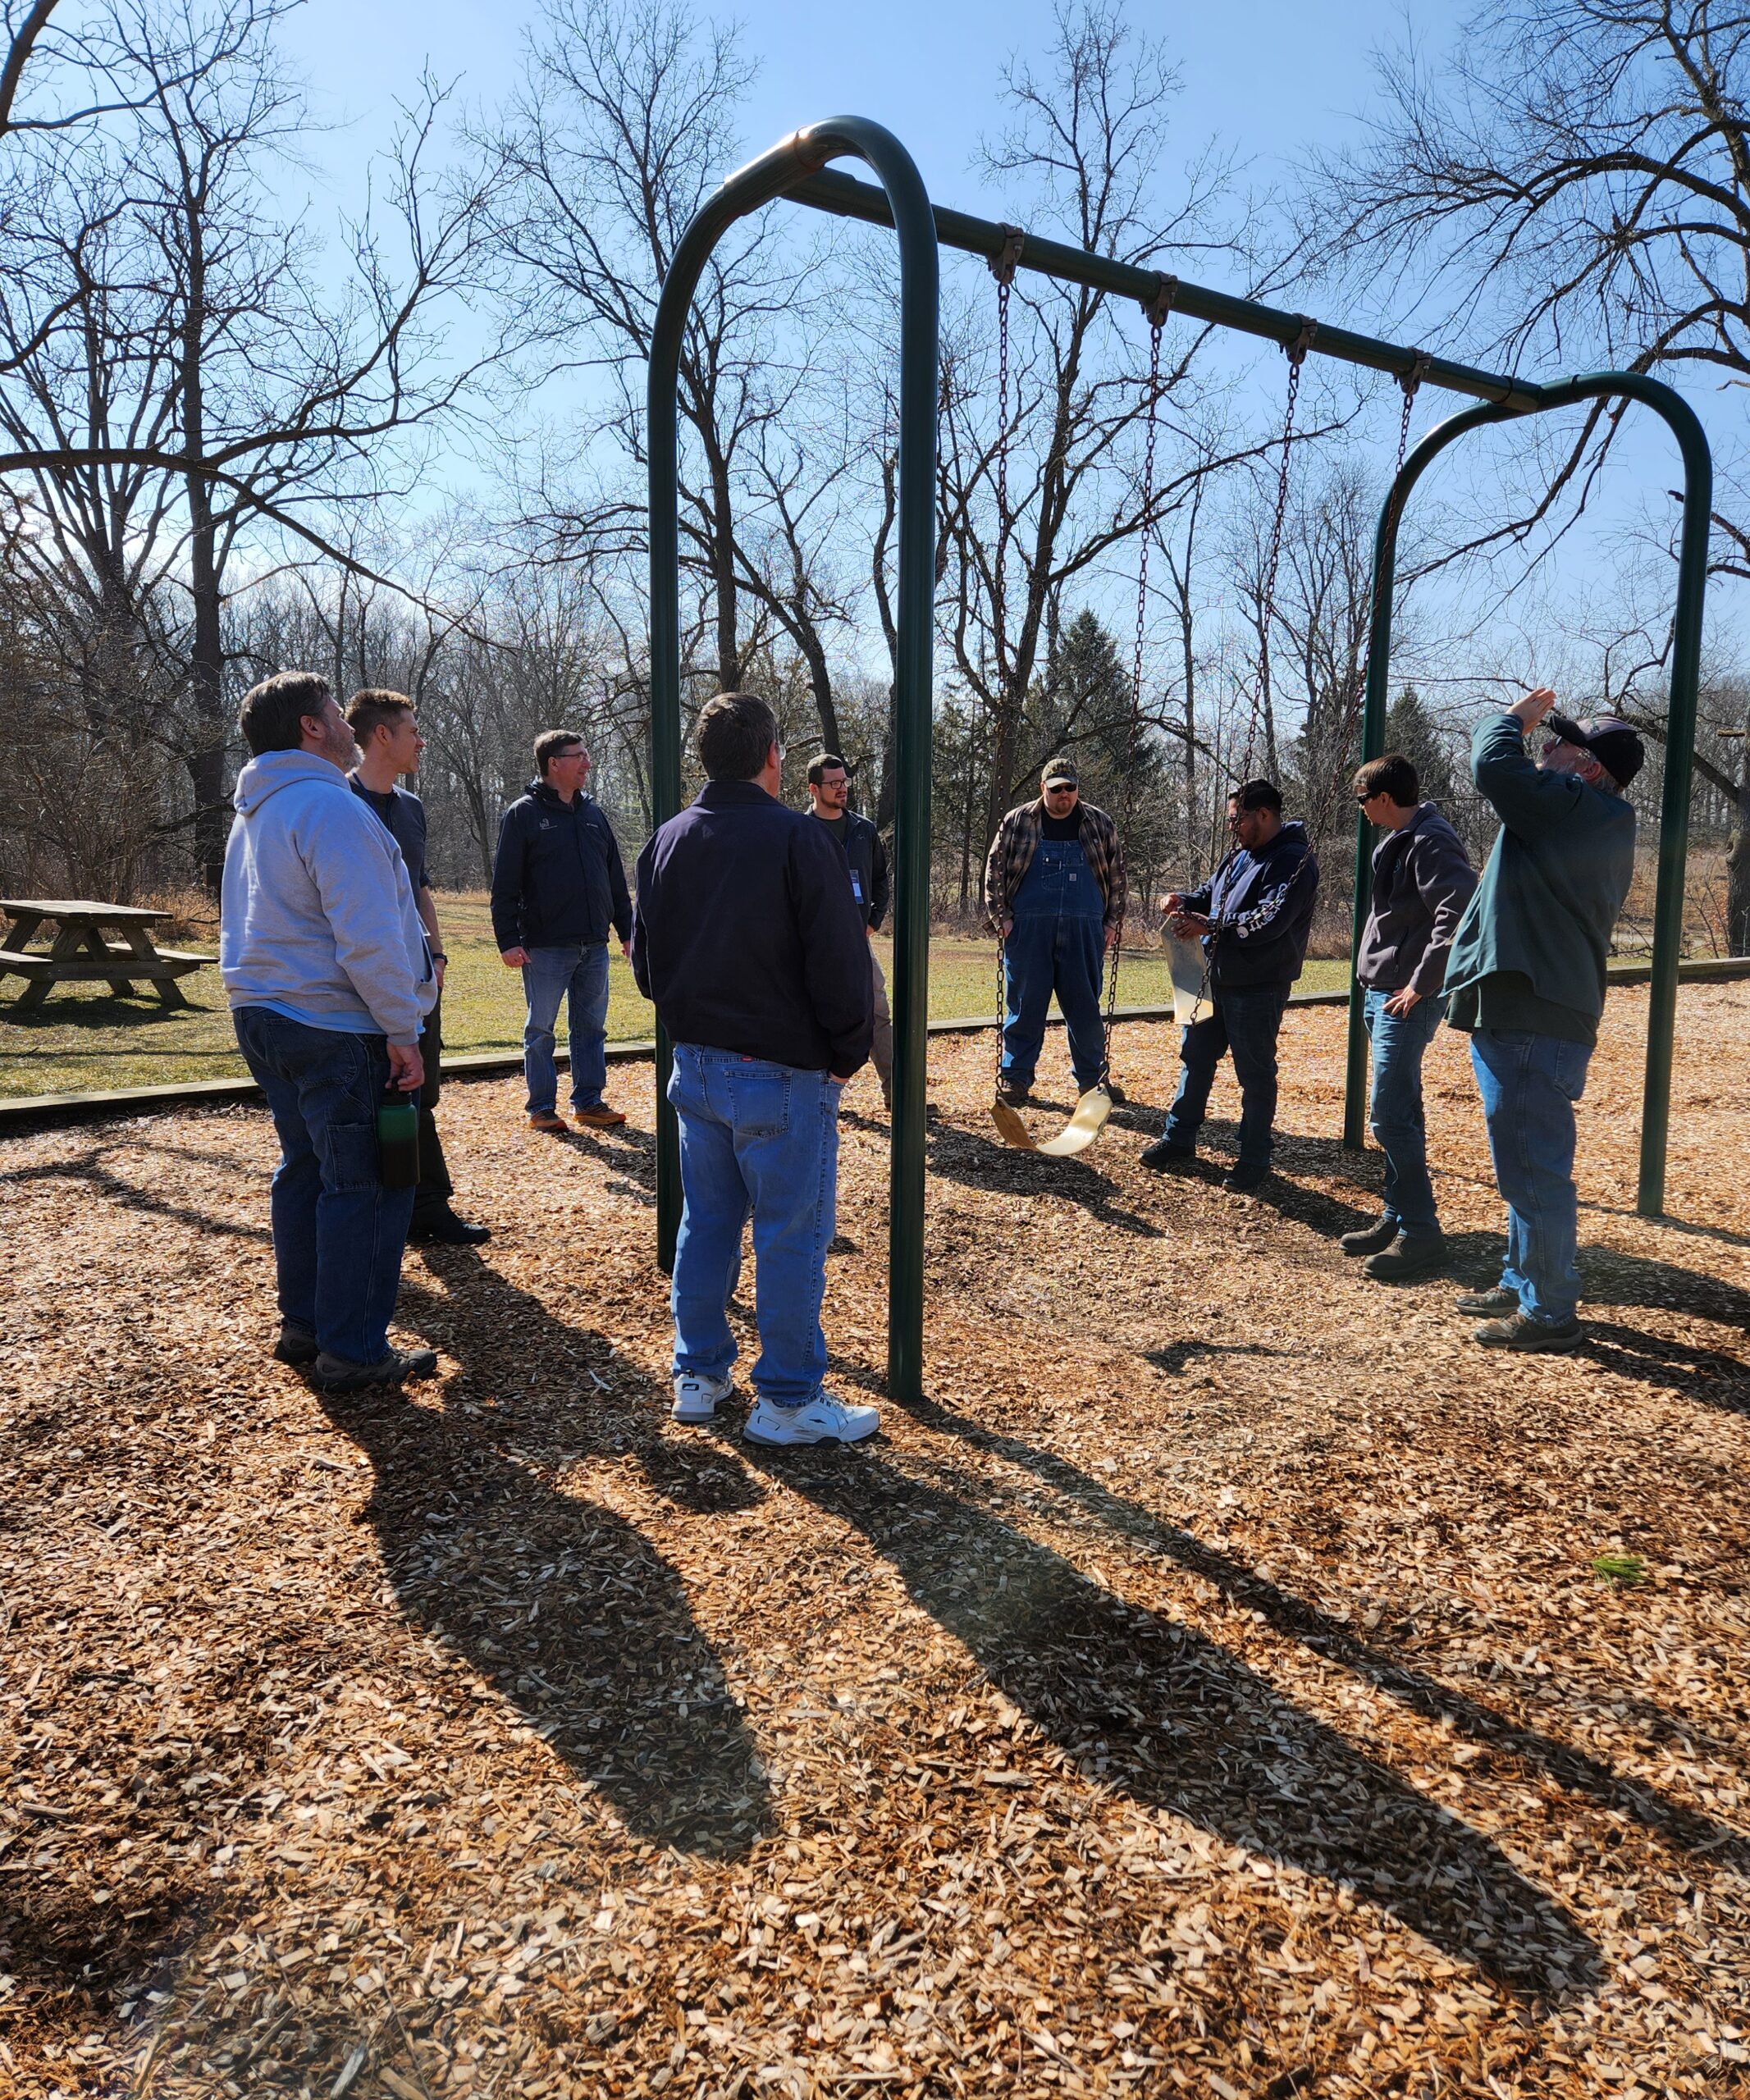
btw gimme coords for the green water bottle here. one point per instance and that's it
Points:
(398, 1139)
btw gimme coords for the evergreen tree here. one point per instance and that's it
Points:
(1412, 730)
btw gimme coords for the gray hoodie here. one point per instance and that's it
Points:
(317, 918)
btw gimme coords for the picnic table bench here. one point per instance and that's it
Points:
(81, 953)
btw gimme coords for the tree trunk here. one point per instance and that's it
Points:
(1738, 873)
(820, 684)
(206, 758)
(723, 579)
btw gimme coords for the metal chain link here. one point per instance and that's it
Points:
(1135, 728)
(998, 614)
(1273, 559)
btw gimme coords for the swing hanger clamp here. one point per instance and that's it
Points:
(1297, 350)
(1156, 310)
(1411, 381)
(1007, 261)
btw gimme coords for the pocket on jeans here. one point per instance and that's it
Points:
(759, 1101)
(686, 1089)
(1569, 1066)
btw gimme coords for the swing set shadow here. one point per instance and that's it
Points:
(796, 168)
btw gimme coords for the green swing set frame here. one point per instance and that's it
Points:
(796, 168)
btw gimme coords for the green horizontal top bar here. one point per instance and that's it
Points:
(844, 195)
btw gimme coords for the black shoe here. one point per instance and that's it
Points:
(1405, 1260)
(1246, 1180)
(1014, 1095)
(1500, 1300)
(1370, 1239)
(1165, 1153)
(334, 1374)
(1522, 1332)
(296, 1345)
(1115, 1092)
(448, 1230)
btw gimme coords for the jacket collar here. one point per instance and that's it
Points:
(549, 796)
(733, 795)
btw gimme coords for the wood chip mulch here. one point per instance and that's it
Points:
(1212, 1688)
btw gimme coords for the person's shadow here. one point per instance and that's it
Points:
(1180, 1724)
(957, 1153)
(562, 1605)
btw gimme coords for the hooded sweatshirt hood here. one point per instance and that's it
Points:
(317, 918)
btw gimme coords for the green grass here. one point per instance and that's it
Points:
(85, 1040)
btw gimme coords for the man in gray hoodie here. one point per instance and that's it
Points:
(329, 977)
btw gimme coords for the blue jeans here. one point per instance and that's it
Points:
(1246, 1022)
(1530, 1084)
(578, 976)
(338, 1233)
(762, 1138)
(1058, 944)
(1400, 1043)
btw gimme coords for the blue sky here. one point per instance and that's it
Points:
(1266, 78)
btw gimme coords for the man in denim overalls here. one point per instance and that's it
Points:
(1054, 884)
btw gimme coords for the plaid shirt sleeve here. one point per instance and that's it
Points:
(1100, 842)
(1010, 856)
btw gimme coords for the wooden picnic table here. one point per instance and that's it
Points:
(81, 953)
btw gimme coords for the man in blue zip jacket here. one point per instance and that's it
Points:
(1253, 916)
(558, 890)
(1526, 979)
(1421, 881)
(750, 945)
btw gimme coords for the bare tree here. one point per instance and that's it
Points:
(1031, 504)
(175, 378)
(625, 124)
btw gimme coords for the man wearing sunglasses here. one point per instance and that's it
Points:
(1253, 916)
(1421, 881)
(1525, 979)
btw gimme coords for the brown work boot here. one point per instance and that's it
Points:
(600, 1117)
(545, 1119)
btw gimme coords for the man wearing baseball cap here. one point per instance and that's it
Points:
(1525, 978)
(1055, 885)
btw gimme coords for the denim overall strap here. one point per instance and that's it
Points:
(1057, 945)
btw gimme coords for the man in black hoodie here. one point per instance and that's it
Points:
(557, 891)
(1253, 916)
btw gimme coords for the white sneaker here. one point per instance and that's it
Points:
(823, 1421)
(696, 1399)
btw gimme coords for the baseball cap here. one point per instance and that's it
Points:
(1615, 744)
(1061, 773)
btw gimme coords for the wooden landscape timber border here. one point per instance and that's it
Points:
(499, 1064)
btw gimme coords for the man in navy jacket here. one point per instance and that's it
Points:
(557, 891)
(1253, 915)
(749, 941)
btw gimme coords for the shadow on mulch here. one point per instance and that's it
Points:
(52, 1936)
(102, 1182)
(612, 1667)
(1180, 1724)
(1716, 1381)
(959, 1154)
(1688, 1829)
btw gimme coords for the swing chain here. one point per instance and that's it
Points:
(999, 587)
(1296, 353)
(1163, 302)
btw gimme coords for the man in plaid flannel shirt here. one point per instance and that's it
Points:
(1054, 884)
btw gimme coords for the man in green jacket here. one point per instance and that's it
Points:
(1525, 978)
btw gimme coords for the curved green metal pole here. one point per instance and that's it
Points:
(1686, 663)
(793, 159)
